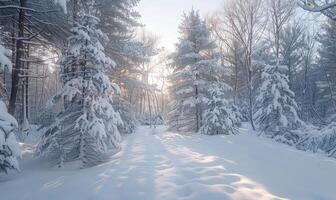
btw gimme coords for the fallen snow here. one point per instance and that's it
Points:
(160, 165)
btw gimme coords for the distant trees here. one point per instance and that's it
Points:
(244, 22)
(327, 63)
(28, 26)
(292, 47)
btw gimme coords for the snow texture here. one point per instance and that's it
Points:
(156, 164)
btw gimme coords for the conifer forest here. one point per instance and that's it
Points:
(167, 99)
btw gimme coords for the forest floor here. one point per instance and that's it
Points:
(159, 165)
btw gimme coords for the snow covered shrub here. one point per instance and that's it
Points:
(219, 116)
(277, 109)
(88, 126)
(318, 140)
(9, 148)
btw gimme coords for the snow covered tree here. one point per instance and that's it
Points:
(220, 116)
(277, 112)
(9, 148)
(327, 63)
(193, 64)
(88, 126)
(245, 21)
(292, 48)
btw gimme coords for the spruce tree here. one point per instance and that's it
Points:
(192, 67)
(88, 126)
(327, 63)
(277, 109)
(200, 101)
(9, 148)
(220, 116)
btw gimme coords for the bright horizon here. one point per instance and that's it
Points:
(162, 17)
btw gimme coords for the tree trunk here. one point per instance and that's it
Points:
(18, 62)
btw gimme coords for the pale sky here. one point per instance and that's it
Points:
(162, 17)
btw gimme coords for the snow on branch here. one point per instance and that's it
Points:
(327, 8)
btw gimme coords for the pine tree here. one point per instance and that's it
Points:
(277, 112)
(193, 65)
(9, 148)
(220, 116)
(120, 22)
(327, 62)
(88, 126)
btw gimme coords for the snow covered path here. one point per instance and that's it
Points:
(159, 165)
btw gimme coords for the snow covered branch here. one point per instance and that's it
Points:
(327, 8)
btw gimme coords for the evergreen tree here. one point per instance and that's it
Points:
(120, 23)
(9, 148)
(220, 116)
(277, 112)
(327, 62)
(292, 49)
(193, 65)
(87, 128)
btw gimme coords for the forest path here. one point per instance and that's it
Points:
(156, 164)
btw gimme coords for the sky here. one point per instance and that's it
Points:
(162, 17)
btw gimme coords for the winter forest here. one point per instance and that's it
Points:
(167, 100)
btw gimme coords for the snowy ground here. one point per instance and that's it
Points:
(160, 165)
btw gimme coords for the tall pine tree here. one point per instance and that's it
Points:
(87, 128)
(196, 69)
(327, 63)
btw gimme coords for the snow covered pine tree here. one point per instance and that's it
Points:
(194, 81)
(220, 116)
(277, 112)
(9, 148)
(87, 128)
